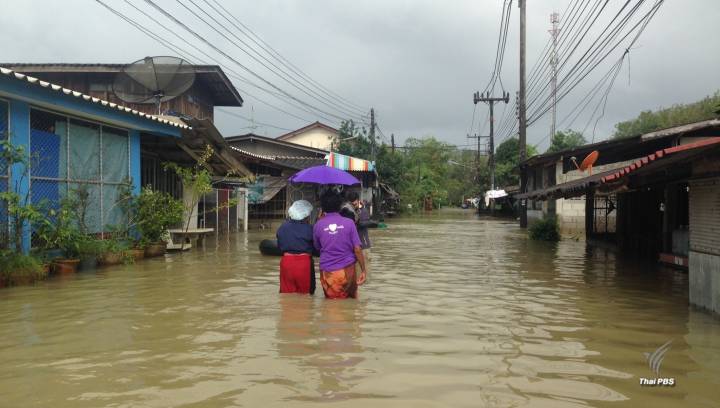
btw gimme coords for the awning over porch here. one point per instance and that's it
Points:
(265, 188)
(349, 163)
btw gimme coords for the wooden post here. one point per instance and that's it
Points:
(589, 214)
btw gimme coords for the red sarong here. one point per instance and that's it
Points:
(296, 273)
(339, 284)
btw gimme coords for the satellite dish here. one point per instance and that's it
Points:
(154, 80)
(589, 160)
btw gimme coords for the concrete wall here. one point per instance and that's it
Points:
(534, 215)
(571, 211)
(704, 280)
(319, 138)
(571, 216)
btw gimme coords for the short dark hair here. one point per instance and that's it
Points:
(353, 196)
(330, 202)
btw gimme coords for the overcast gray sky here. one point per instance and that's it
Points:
(417, 62)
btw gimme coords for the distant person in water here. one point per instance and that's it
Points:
(295, 241)
(357, 210)
(337, 239)
(348, 209)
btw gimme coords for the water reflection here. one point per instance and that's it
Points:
(461, 312)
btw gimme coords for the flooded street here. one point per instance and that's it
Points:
(457, 312)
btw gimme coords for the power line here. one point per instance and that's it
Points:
(500, 51)
(181, 52)
(593, 56)
(234, 60)
(595, 61)
(592, 51)
(270, 50)
(304, 89)
(289, 78)
(237, 115)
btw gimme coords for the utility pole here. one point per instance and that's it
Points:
(485, 97)
(392, 142)
(372, 133)
(554, 20)
(522, 125)
(477, 155)
(376, 195)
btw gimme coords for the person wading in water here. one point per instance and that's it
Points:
(295, 241)
(356, 210)
(337, 239)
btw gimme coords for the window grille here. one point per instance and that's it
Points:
(85, 161)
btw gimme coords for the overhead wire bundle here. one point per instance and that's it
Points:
(621, 31)
(273, 74)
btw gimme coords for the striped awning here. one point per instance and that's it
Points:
(349, 163)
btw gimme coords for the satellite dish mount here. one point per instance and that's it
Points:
(154, 80)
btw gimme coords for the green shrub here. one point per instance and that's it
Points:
(17, 268)
(546, 229)
(156, 212)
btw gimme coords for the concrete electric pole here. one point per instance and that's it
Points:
(554, 31)
(478, 97)
(522, 120)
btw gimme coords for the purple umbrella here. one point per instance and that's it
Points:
(324, 175)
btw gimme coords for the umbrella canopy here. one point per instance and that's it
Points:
(324, 175)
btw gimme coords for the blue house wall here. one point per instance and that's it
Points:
(22, 96)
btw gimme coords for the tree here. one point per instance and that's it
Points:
(566, 140)
(680, 114)
(507, 160)
(352, 140)
(426, 171)
(463, 180)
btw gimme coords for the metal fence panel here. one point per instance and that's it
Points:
(80, 160)
(4, 174)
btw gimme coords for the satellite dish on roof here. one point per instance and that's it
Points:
(587, 162)
(590, 159)
(154, 80)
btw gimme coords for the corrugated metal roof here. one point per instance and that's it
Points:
(212, 77)
(293, 162)
(57, 88)
(578, 187)
(623, 143)
(643, 161)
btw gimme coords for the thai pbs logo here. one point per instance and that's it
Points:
(654, 361)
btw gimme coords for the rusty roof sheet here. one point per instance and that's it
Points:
(578, 187)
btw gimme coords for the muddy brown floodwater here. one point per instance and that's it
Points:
(458, 312)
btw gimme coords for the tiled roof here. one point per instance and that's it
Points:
(57, 88)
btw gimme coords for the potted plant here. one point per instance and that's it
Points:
(70, 242)
(59, 231)
(19, 269)
(156, 212)
(112, 251)
(89, 250)
(136, 250)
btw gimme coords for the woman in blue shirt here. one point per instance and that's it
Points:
(295, 241)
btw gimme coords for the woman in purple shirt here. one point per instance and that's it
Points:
(337, 239)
